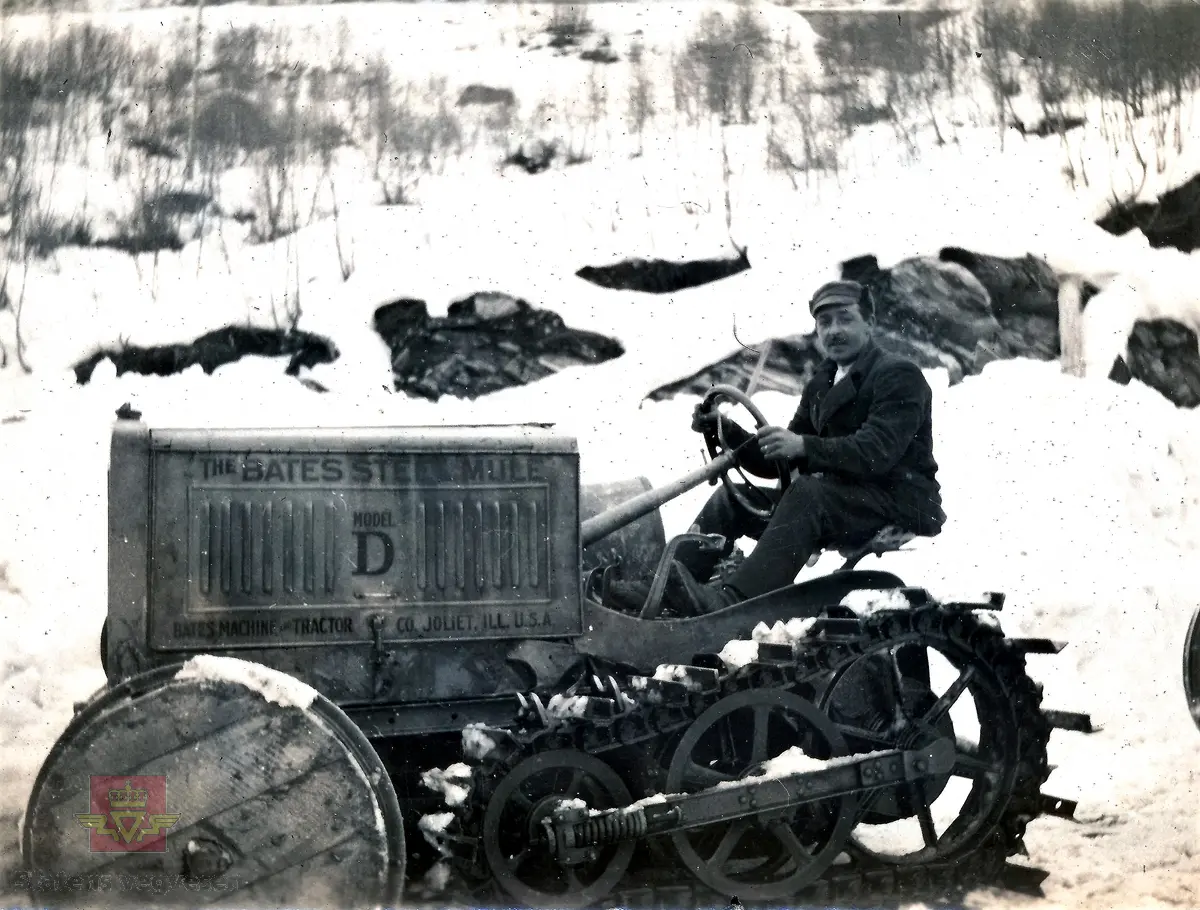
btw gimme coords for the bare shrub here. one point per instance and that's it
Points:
(639, 105)
(1000, 33)
(799, 138)
(155, 218)
(718, 71)
(898, 69)
(229, 124)
(236, 55)
(415, 130)
(568, 23)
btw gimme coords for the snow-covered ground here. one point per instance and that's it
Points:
(1077, 497)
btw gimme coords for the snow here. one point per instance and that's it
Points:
(737, 654)
(453, 782)
(561, 705)
(1076, 497)
(476, 743)
(435, 880)
(783, 633)
(275, 687)
(671, 673)
(433, 825)
(864, 602)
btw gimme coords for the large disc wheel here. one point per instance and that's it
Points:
(765, 857)
(213, 782)
(514, 839)
(931, 675)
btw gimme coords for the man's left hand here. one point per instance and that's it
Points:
(778, 443)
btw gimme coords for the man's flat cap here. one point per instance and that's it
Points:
(838, 293)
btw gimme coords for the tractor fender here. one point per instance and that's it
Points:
(646, 643)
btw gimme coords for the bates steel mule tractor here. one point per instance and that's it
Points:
(337, 656)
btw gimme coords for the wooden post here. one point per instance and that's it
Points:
(1070, 324)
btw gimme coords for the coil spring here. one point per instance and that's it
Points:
(612, 827)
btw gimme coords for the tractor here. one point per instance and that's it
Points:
(339, 660)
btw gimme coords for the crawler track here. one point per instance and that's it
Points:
(844, 666)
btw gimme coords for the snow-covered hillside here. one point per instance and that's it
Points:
(1078, 497)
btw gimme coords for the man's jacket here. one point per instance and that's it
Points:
(873, 427)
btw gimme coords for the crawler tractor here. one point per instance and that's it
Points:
(335, 658)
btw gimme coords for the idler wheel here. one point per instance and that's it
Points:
(513, 839)
(759, 858)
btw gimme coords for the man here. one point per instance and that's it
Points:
(860, 449)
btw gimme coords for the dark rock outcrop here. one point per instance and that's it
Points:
(935, 313)
(486, 94)
(1162, 353)
(790, 364)
(1047, 126)
(1024, 296)
(659, 276)
(485, 343)
(1174, 220)
(212, 350)
(959, 311)
(534, 156)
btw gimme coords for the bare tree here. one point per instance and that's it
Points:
(640, 103)
(195, 92)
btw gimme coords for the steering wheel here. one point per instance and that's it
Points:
(716, 438)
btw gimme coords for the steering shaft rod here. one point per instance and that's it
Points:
(600, 526)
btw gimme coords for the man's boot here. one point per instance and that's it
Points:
(630, 595)
(627, 596)
(708, 598)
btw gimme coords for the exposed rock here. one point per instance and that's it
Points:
(1047, 126)
(1163, 354)
(1025, 285)
(153, 147)
(958, 312)
(1174, 220)
(212, 350)
(599, 51)
(485, 343)
(938, 305)
(790, 364)
(486, 94)
(179, 202)
(1024, 296)
(659, 276)
(534, 155)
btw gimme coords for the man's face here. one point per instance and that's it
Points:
(842, 333)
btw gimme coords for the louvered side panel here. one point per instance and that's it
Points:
(482, 547)
(252, 550)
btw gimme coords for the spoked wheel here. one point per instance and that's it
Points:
(514, 841)
(970, 698)
(764, 857)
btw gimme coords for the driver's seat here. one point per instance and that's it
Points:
(885, 540)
